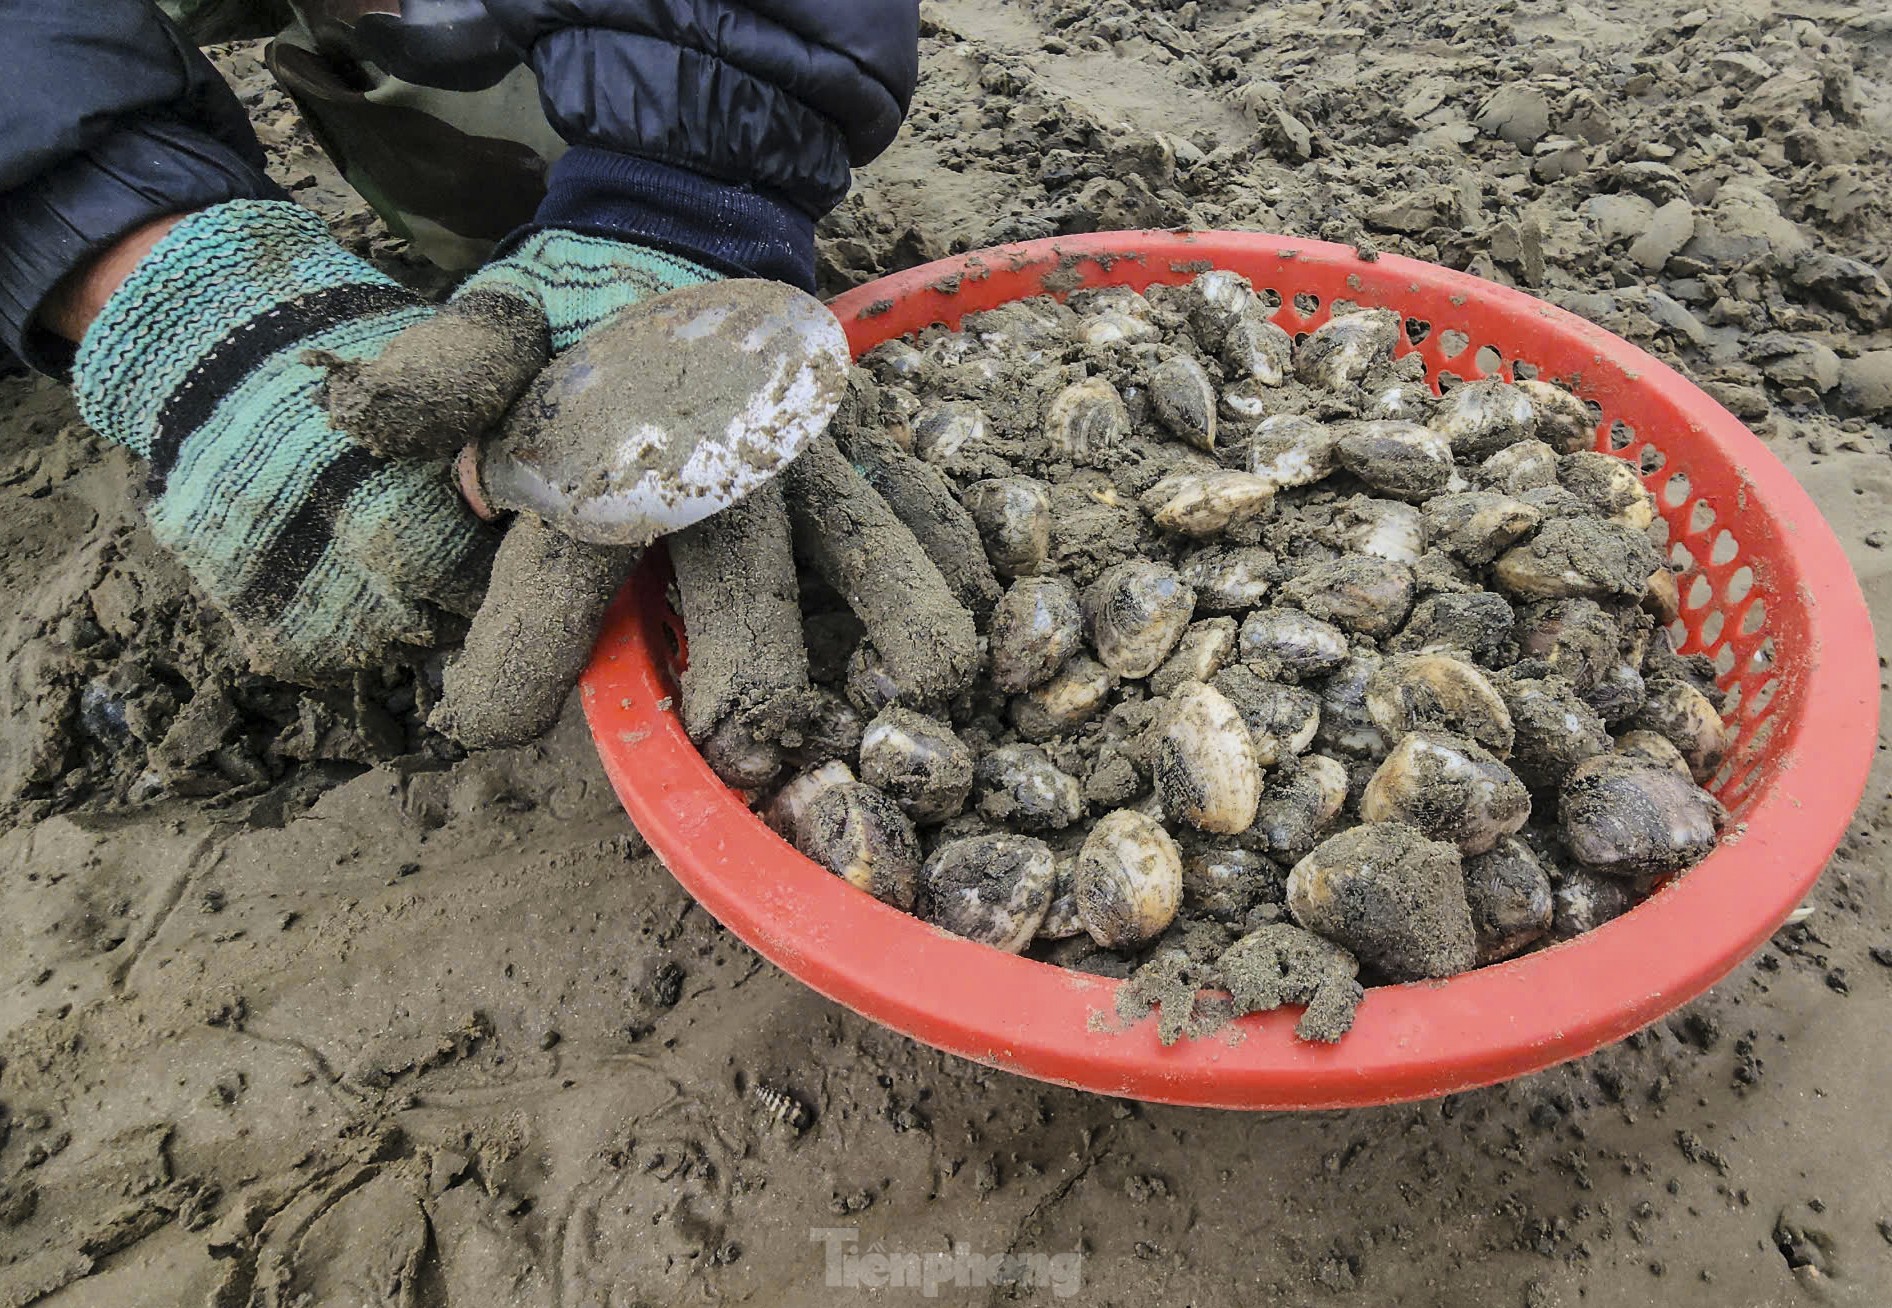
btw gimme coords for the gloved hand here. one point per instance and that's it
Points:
(424, 396)
(207, 362)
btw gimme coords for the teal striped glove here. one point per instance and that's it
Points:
(459, 371)
(210, 362)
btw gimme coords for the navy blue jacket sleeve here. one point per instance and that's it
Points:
(776, 95)
(108, 119)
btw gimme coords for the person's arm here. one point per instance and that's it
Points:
(109, 121)
(719, 131)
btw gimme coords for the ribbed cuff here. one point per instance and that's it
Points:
(57, 223)
(733, 229)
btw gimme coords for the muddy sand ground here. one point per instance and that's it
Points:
(298, 1007)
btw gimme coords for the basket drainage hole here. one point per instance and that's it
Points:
(1711, 628)
(1306, 303)
(1763, 658)
(1522, 371)
(1344, 307)
(1701, 517)
(1449, 381)
(1678, 633)
(1652, 460)
(1417, 329)
(1726, 547)
(1681, 558)
(1454, 343)
(1754, 618)
(1699, 592)
(1269, 296)
(1724, 662)
(1740, 582)
(1765, 696)
(1622, 436)
(1488, 361)
(1675, 490)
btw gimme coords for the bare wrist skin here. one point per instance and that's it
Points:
(77, 300)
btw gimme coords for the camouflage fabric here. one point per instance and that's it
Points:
(419, 102)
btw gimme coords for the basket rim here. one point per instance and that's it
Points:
(1410, 1041)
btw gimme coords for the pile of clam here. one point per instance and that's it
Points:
(1274, 641)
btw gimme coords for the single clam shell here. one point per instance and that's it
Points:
(1663, 601)
(1106, 329)
(1625, 817)
(1441, 693)
(1202, 652)
(1283, 719)
(1447, 788)
(1360, 593)
(1290, 450)
(1690, 721)
(941, 431)
(1510, 898)
(1389, 895)
(1255, 348)
(1298, 803)
(1408, 401)
(1385, 529)
(1526, 466)
(1229, 580)
(1291, 643)
(1036, 625)
(1215, 302)
(1477, 622)
(1128, 880)
(1578, 556)
(1478, 526)
(1135, 613)
(1652, 747)
(1225, 882)
(1563, 421)
(1400, 459)
(1184, 400)
(788, 810)
(1555, 729)
(1619, 693)
(1610, 486)
(1205, 503)
(1022, 787)
(739, 758)
(1577, 639)
(919, 762)
(1340, 352)
(1482, 417)
(1203, 761)
(1061, 921)
(1013, 515)
(861, 836)
(1584, 900)
(994, 889)
(1345, 725)
(895, 361)
(1093, 301)
(1086, 419)
(869, 687)
(832, 729)
(1066, 702)
(1246, 400)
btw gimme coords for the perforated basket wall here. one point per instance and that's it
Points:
(1767, 594)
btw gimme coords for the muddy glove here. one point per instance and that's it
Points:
(206, 363)
(501, 326)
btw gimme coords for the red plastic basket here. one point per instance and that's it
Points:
(1767, 593)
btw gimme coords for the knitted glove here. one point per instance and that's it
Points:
(460, 370)
(208, 363)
